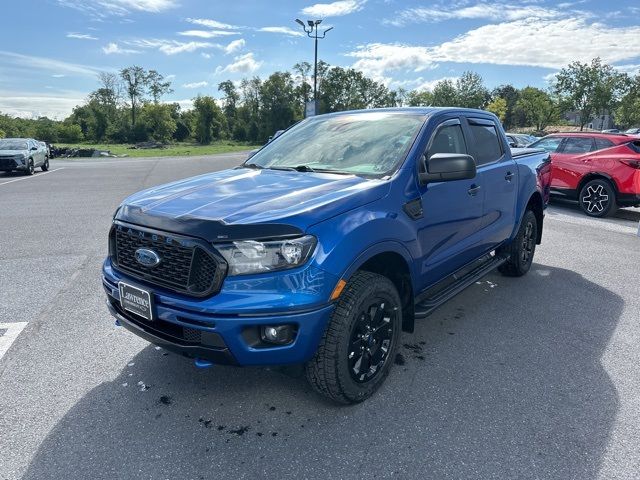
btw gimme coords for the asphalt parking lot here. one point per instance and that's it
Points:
(524, 378)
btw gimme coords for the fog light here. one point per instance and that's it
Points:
(278, 334)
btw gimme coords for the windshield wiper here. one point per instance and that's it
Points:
(297, 168)
(253, 165)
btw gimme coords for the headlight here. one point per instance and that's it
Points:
(251, 256)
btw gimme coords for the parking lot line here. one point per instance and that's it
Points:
(32, 176)
(11, 332)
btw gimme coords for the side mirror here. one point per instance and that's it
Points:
(444, 167)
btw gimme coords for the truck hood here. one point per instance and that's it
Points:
(247, 203)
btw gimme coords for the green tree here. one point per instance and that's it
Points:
(159, 122)
(230, 103)
(70, 133)
(470, 91)
(423, 98)
(46, 130)
(510, 95)
(445, 94)
(590, 89)
(498, 106)
(208, 119)
(348, 89)
(628, 111)
(538, 107)
(277, 107)
(135, 80)
(158, 86)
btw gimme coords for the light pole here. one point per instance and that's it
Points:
(312, 32)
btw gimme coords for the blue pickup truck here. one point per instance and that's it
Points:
(328, 243)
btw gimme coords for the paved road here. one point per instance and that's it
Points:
(515, 378)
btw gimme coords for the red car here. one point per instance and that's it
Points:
(600, 170)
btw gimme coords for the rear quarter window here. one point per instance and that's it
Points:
(602, 143)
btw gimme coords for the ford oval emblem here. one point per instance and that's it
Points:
(147, 257)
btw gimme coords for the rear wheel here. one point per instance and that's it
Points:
(522, 249)
(45, 165)
(598, 198)
(360, 341)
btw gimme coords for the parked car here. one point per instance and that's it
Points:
(611, 130)
(22, 154)
(601, 171)
(633, 131)
(519, 140)
(327, 243)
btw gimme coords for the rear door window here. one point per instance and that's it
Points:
(577, 145)
(488, 147)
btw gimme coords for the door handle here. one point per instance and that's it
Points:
(473, 191)
(509, 176)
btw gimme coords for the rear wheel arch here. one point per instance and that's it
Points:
(536, 205)
(596, 176)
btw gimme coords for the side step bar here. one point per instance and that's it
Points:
(457, 283)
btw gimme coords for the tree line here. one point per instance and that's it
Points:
(127, 107)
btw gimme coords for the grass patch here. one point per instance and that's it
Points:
(175, 150)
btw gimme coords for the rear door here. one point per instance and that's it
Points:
(498, 175)
(449, 231)
(567, 164)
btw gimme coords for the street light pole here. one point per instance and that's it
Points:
(312, 32)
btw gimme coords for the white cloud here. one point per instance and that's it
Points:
(419, 83)
(81, 36)
(44, 63)
(172, 47)
(552, 43)
(113, 48)
(196, 85)
(242, 64)
(104, 8)
(206, 22)
(186, 104)
(335, 9)
(629, 68)
(494, 12)
(58, 75)
(234, 46)
(205, 55)
(207, 33)
(283, 30)
(35, 104)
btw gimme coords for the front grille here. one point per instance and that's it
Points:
(7, 162)
(185, 264)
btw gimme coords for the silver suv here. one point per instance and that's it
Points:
(23, 154)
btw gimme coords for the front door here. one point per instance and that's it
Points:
(449, 229)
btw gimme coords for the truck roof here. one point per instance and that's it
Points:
(412, 110)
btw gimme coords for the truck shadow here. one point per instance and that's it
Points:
(505, 381)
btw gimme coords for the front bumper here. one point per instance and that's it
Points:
(224, 338)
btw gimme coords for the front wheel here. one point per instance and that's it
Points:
(360, 341)
(30, 168)
(598, 198)
(521, 250)
(45, 165)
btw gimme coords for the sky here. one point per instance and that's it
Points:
(52, 50)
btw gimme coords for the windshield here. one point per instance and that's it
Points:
(372, 143)
(13, 145)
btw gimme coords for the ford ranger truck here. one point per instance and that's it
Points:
(328, 243)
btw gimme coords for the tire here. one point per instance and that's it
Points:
(522, 249)
(598, 198)
(368, 305)
(30, 168)
(45, 165)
